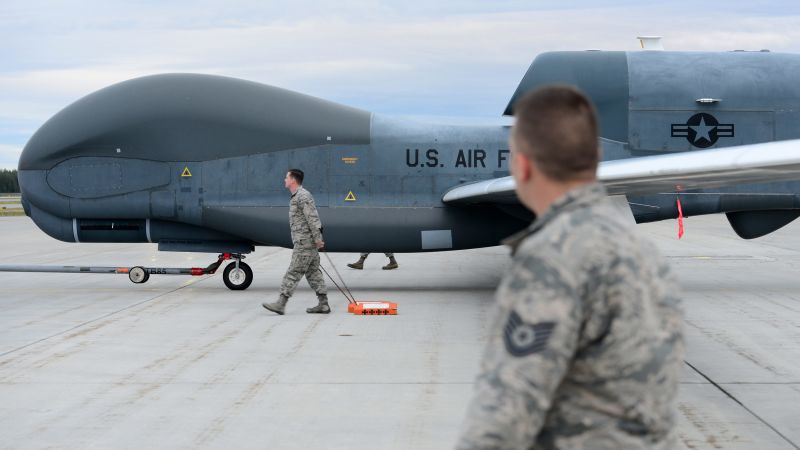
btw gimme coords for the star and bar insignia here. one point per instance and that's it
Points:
(702, 130)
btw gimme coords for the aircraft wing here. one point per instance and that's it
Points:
(702, 169)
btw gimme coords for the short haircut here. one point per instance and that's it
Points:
(297, 174)
(556, 127)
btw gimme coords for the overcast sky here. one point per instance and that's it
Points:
(457, 59)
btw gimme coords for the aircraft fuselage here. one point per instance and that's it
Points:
(196, 163)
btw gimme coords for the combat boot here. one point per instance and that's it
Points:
(278, 307)
(392, 264)
(322, 307)
(358, 264)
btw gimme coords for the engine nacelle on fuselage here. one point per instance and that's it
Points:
(661, 102)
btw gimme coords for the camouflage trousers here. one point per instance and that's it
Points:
(305, 261)
(388, 255)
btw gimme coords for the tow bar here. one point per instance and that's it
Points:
(237, 275)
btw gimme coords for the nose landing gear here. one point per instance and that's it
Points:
(237, 275)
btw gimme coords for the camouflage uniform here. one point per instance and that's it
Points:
(388, 255)
(586, 345)
(306, 231)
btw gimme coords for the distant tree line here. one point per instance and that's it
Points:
(8, 181)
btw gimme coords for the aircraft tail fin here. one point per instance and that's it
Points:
(603, 76)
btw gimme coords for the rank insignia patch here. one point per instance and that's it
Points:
(523, 339)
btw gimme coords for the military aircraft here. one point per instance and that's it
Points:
(196, 162)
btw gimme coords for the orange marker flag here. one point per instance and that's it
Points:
(680, 219)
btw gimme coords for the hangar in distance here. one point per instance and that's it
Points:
(196, 162)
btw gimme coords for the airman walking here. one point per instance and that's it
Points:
(307, 241)
(360, 263)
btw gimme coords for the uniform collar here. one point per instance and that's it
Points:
(581, 196)
(299, 188)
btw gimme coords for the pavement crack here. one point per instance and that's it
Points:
(732, 397)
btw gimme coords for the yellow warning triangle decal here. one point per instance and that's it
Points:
(350, 197)
(186, 172)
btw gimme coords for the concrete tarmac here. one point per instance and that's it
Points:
(93, 360)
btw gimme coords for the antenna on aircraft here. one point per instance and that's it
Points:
(650, 42)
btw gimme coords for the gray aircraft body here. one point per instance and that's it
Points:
(196, 162)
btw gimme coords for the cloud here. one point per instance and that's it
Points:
(9, 156)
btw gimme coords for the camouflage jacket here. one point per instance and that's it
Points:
(586, 346)
(304, 219)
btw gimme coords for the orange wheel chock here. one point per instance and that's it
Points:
(373, 308)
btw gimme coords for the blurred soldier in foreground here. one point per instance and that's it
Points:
(586, 346)
(360, 263)
(307, 240)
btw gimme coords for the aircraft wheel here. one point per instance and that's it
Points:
(237, 279)
(138, 275)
